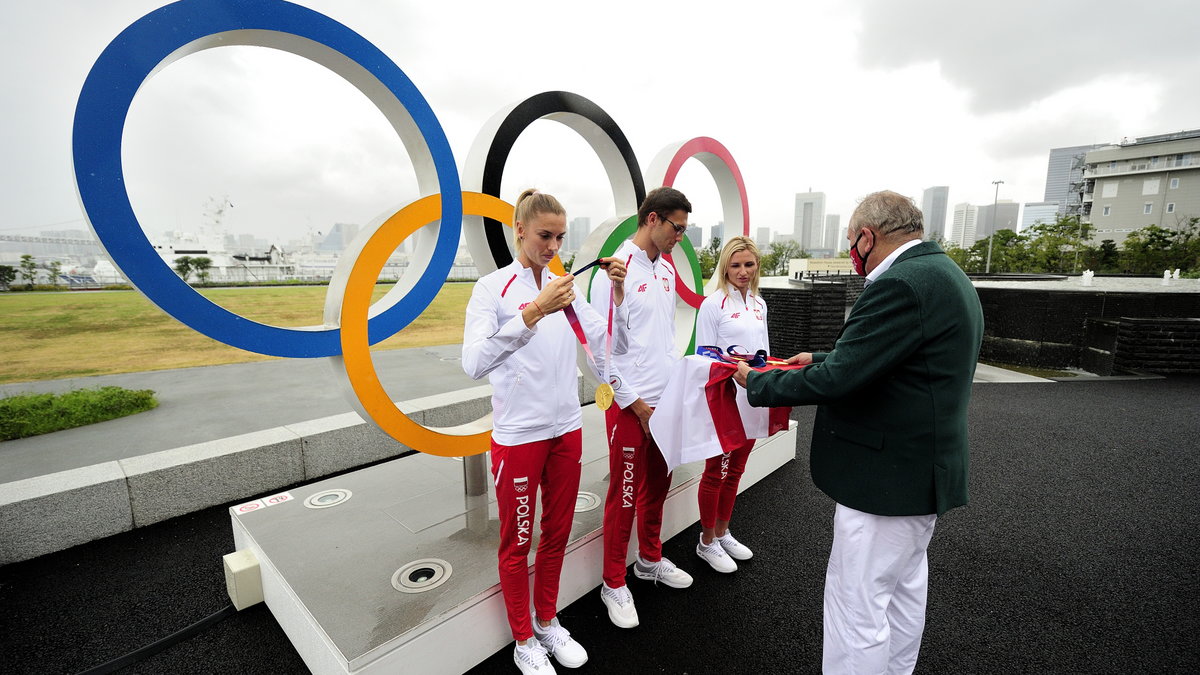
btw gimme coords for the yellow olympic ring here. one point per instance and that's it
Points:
(356, 304)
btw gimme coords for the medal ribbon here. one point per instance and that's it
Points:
(573, 319)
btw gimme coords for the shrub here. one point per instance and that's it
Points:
(26, 415)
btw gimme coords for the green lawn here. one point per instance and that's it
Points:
(50, 336)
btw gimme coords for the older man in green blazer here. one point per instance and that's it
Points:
(889, 443)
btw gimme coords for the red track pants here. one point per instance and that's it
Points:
(719, 484)
(519, 471)
(638, 481)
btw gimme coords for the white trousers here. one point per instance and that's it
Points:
(875, 590)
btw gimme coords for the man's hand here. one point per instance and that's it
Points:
(801, 359)
(616, 272)
(742, 373)
(643, 412)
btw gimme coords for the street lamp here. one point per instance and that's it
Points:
(995, 200)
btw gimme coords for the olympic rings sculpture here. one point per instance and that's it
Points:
(447, 210)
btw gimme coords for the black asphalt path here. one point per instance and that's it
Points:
(1077, 554)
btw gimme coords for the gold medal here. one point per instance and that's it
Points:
(604, 396)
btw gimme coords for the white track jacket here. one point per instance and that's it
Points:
(648, 322)
(727, 320)
(533, 371)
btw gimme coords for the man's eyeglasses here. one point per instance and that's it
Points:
(679, 229)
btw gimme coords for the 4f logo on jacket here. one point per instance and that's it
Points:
(521, 486)
(642, 288)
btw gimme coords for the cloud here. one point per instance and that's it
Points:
(1012, 54)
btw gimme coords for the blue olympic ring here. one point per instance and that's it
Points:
(189, 26)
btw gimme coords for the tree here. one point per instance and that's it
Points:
(7, 274)
(956, 253)
(1057, 246)
(55, 267)
(183, 267)
(28, 270)
(775, 262)
(1108, 258)
(201, 266)
(709, 255)
(1152, 249)
(1009, 253)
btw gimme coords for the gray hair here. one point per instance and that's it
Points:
(887, 212)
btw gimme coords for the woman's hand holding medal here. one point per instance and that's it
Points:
(556, 294)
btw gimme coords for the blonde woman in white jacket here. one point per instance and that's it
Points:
(733, 315)
(518, 334)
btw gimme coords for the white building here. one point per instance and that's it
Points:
(962, 228)
(835, 236)
(809, 225)
(933, 210)
(763, 240)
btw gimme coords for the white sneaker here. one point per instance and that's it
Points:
(619, 602)
(558, 642)
(664, 570)
(531, 658)
(715, 556)
(734, 548)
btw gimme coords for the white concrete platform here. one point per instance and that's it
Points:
(986, 373)
(327, 572)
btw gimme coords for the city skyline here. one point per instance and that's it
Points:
(297, 149)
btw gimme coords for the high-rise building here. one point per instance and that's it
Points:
(962, 228)
(577, 232)
(1064, 172)
(1003, 217)
(695, 234)
(1153, 180)
(718, 232)
(933, 211)
(834, 237)
(763, 240)
(808, 230)
(338, 238)
(1038, 212)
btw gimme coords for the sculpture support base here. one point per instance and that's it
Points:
(328, 570)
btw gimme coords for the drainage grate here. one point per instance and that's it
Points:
(328, 498)
(419, 576)
(586, 501)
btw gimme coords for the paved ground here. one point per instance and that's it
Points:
(1077, 554)
(209, 403)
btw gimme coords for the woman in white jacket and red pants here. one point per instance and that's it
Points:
(733, 315)
(517, 334)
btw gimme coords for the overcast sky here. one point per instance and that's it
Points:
(843, 99)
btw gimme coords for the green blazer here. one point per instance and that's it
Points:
(890, 436)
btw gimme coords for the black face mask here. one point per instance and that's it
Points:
(860, 260)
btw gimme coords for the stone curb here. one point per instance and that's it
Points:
(56, 511)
